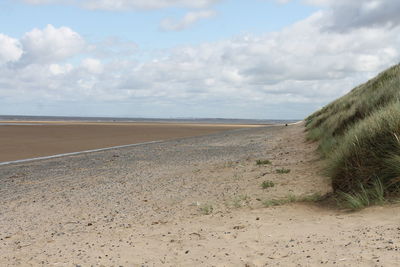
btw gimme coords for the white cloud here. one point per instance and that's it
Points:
(188, 20)
(92, 65)
(51, 44)
(10, 49)
(295, 65)
(129, 4)
(57, 69)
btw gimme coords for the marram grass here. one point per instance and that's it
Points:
(359, 137)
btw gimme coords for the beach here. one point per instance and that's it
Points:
(193, 201)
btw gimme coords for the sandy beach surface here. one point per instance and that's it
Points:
(195, 201)
(31, 139)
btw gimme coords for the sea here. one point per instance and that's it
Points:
(16, 118)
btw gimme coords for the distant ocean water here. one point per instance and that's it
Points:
(171, 120)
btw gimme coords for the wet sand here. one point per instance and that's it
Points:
(23, 140)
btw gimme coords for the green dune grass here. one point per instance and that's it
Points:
(359, 136)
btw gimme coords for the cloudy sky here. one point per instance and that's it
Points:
(262, 59)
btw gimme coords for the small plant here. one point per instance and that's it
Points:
(377, 192)
(364, 197)
(311, 198)
(241, 201)
(237, 176)
(229, 164)
(236, 203)
(267, 184)
(354, 201)
(290, 198)
(263, 162)
(282, 171)
(206, 209)
(273, 202)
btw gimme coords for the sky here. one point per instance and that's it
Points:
(253, 59)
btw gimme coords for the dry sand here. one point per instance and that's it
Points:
(23, 140)
(144, 206)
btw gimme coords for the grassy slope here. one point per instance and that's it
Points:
(359, 135)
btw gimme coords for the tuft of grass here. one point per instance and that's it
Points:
(237, 176)
(274, 202)
(355, 201)
(377, 192)
(291, 198)
(311, 198)
(282, 171)
(267, 184)
(229, 164)
(206, 209)
(263, 162)
(240, 201)
(375, 195)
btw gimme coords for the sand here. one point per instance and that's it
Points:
(24, 140)
(145, 206)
